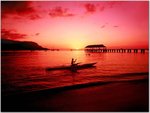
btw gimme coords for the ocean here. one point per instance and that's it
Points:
(25, 71)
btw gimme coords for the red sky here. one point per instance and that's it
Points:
(76, 24)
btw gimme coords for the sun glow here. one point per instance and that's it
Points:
(77, 45)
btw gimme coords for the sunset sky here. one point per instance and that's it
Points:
(74, 25)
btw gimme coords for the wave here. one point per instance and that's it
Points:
(143, 77)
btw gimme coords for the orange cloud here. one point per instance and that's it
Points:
(19, 9)
(37, 34)
(12, 34)
(90, 7)
(112, 4)
(103, 26)
(116, 26)
(60, 12)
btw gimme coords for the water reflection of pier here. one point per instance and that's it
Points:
(102, 49)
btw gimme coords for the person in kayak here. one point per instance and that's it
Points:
(73, 61)
(73, 65)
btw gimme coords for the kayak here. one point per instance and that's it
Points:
(79, 66)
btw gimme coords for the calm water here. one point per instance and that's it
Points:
(24, 71)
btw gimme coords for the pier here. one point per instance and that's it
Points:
(118, 50)
(102, 49)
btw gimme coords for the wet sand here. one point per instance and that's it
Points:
(118, 96)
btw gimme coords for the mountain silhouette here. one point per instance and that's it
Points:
(20, 45)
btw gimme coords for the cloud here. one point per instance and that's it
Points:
(115, 26)
(103, 26)
(112, 4)
(12, 34)
(34, 17)
(19, 9)
(90, 7)
(37, 34)
(93, 7)
(60, 12)
(102, 8)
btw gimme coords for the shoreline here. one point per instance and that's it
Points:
(110, 95)
(83, 85)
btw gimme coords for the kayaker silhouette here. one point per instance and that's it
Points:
(73, 65)
(73, 61)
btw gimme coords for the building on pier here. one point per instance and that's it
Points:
(95, 48)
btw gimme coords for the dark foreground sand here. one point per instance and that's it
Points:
(119, 96)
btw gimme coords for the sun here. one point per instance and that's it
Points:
(77, 45)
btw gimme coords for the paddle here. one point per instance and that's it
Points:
(78, 63)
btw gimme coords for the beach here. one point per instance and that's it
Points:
(112, 96)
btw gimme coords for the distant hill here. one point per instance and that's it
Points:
(20, 45)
